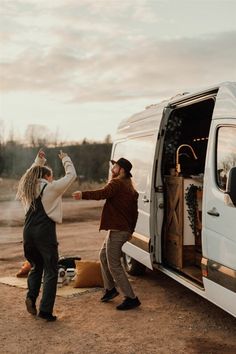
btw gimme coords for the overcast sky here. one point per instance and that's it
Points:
(79, 67)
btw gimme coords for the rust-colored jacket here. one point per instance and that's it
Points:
(120, 211)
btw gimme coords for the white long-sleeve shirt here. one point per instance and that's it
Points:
(52, 194)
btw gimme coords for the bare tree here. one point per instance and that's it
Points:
(2, 132)
(37, 135)
(107, 139)
(54, 138)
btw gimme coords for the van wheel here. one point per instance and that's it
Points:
(132, 266)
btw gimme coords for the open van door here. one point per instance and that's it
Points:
(219, 213)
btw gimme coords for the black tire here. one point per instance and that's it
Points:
(132, 266)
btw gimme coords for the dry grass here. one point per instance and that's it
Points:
(8, 188)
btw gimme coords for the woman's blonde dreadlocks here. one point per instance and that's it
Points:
(27, 188)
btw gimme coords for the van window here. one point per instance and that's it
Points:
(139, 151)
(225, 154)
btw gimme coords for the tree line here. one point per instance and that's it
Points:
(91, 160)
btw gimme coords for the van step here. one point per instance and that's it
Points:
(193, 272)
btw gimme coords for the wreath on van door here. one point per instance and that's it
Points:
(192, 204)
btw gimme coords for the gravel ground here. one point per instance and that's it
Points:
(171, 319)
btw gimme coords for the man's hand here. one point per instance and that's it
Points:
(77, 195)
(62, 154)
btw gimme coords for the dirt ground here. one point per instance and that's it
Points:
(171, 319)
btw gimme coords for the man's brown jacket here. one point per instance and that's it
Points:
(120, 211)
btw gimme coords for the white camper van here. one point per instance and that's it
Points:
(183, 153)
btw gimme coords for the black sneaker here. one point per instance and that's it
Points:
(129, 304)
(47, 316)
(30, 306)
(109, 295)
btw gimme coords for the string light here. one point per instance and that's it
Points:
(200, 139)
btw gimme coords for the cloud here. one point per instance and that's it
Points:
(148, 69)
(106, 51)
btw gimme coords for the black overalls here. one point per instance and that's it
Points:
(41, 250)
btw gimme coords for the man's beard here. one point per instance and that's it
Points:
(114, 175)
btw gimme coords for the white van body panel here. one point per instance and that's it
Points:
(213, 292)
(220, 296)
(225, 106)
(219, 232)
(138, 254)
(136, 141)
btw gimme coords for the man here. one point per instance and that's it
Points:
(119, 217)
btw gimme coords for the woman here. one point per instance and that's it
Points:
(42, 198)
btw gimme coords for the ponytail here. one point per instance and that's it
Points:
(27, 188)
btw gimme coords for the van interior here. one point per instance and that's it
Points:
(184, 154)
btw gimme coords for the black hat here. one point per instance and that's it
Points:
(125, 164)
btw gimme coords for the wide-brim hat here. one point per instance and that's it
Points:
(125, 164)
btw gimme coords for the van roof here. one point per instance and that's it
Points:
(154, 109)
(152, 114)
(145, 114)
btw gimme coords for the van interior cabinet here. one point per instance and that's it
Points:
(181, 245)
(173, 235)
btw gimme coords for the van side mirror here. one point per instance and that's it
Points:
(231, 185)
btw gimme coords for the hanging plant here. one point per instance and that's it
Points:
(173, 133)
(192, 204)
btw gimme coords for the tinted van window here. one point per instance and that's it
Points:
(225, 154)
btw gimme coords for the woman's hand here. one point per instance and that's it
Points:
(77, 195)
(41, 154)
(62, 154)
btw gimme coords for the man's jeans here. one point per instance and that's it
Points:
(110, 256)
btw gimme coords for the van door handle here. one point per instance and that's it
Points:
(213, 212)
(145, 199)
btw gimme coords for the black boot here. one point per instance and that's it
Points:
(109, 295)
(129, 304)
(30, 306)
(47, 316)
